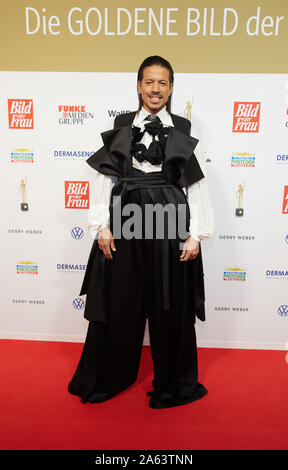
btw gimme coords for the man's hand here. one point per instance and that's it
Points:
(106, 242)
(190, 249)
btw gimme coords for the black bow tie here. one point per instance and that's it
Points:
(152, 118)
(154, 127)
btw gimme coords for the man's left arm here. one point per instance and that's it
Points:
(201, 212)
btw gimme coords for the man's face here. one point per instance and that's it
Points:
(155, 88)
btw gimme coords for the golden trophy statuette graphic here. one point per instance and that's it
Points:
(239, 210)
(188, 109)
(22, 190)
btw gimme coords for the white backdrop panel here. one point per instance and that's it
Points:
(239, 313)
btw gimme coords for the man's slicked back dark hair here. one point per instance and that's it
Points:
(148, 62)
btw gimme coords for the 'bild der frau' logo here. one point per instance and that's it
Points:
(285, 201)
(77, 194)
(246, 116)
(20, 114)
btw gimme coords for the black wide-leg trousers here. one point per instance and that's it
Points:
(110, 359)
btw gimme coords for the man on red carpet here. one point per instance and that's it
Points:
(136, 271)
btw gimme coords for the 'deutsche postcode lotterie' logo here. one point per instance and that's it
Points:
(77, 194)
(74, 114)
(20, 114)
(243, 159)
(26, 267)
(234, 274)
(246, 116)
(22, 155)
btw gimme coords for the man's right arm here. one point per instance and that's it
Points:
(98, 213)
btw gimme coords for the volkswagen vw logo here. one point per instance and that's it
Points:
(77, 233)
(283, 310)
(78, 303)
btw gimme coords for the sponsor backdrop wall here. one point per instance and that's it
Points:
(67, 69)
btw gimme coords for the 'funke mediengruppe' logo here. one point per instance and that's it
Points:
(74, 114)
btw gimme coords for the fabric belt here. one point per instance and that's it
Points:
(154, 180)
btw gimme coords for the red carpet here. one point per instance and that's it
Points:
(246, 406)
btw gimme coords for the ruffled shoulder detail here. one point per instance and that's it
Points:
(181, 165)
(114, 157)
